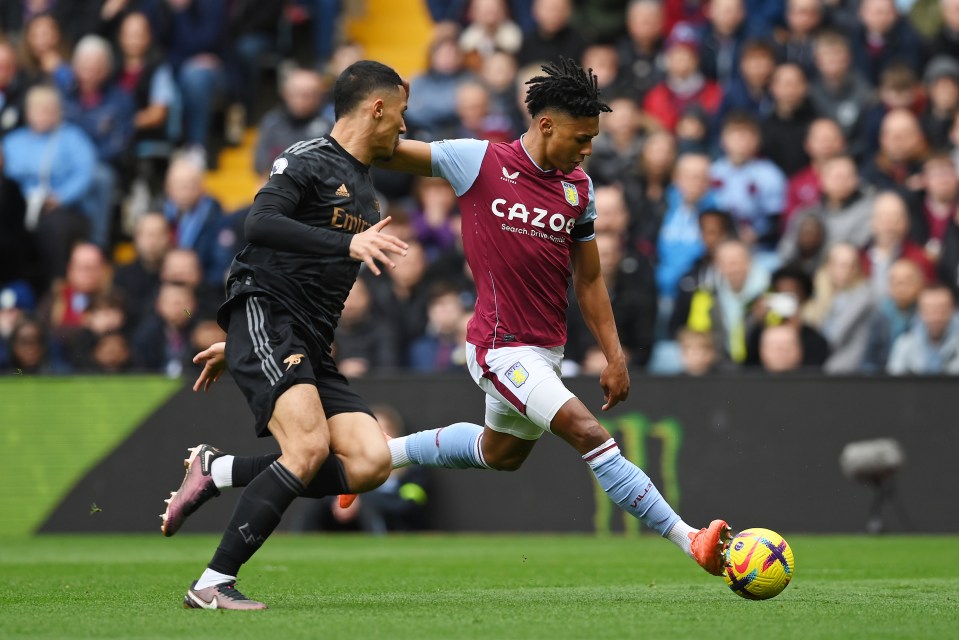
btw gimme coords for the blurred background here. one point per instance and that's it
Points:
(778, 223)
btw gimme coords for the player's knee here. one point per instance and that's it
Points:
(587, 434)
(507, 462)
(370, 470)
(309, 453)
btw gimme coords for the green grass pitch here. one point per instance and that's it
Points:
(491, 586)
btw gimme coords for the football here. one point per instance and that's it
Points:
(759, 564)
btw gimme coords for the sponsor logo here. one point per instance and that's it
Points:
(738, 546)
(292, 361)
(742, 566)
(279, 166)
(537, 217)
(207, 457)
(212, 604)
(510, 177)
(343, 192)
(570, 193)
(517, 374)
(344, 220)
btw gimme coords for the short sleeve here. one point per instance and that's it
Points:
(458, 161)
(584, 224)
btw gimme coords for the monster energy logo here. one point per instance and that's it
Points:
(633, 431)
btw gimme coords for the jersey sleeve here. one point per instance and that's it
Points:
(295, 177)
(583, 229)
(458, 161)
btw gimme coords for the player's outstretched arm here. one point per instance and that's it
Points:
(410, 156)
(598, 313)
(214, 361)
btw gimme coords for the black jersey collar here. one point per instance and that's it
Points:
(347, 154)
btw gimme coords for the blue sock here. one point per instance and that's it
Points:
(630, 488)
(457, 446)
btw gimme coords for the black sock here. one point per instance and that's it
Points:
(330, 480)
(257, 514)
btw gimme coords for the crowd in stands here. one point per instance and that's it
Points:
(777, 182)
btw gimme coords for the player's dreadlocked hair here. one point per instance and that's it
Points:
(565, 87)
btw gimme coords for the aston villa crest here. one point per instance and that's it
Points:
(572, 196)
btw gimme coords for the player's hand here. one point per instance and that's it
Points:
(615, 382)
(372, 246)
(214, 361)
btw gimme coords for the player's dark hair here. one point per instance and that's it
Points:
(566, 87)
(358, 81)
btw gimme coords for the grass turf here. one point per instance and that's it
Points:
(492, 586)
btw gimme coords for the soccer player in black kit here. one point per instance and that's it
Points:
(310, 228)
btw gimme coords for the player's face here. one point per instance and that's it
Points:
(569, 140)
(391, 124)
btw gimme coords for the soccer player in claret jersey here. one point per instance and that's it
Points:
(309, 230)
(527, 215)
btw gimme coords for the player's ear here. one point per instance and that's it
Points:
(377, 108)
(546, 125)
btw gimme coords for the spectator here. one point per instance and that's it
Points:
(823, 141)
(894, 313)
(475, 117)
(882, 37)
(12, 89)
(838, 91)
(693, 131)
(633, 298)
(182, 267)
(553, 36)
(749, 91)
(841, 308)
(432, 218)
(679, 243)
(698, 352)
(364, 343)
(162, 341)
(298, 117)
(899, 88)
(490, 28)
(147, 78)
(790, 290)
(784, 129)
(641, 65)
(498, 73)
(44, 52)
(845, 209)
(715, 228)
(140, 279)
(28, 350)
(62, 310)
(752, 189)
(105, 113)
(721, 40)
(105, 315)
(401, 297)
(946, 42)
(251, 33)
(432, 105)
(902, 152)
(942, 87)
(931, 346)
(18, 258)
(940, 203)
(16, 302)
(111, 354)
(645, 190)
(890, 242)
(796, 41)
(690, 11)
(435, 351)
(684, 84)
(197, 219)
(52, 162)
(618, 146)
(192, 33)
(780, 349)
(724, 311)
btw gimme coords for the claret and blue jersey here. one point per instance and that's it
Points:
(519, 223)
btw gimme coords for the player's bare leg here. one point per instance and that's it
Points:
(630, 488)
(365, 457)
(300, 428)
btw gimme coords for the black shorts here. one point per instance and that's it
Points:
(267, 353)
